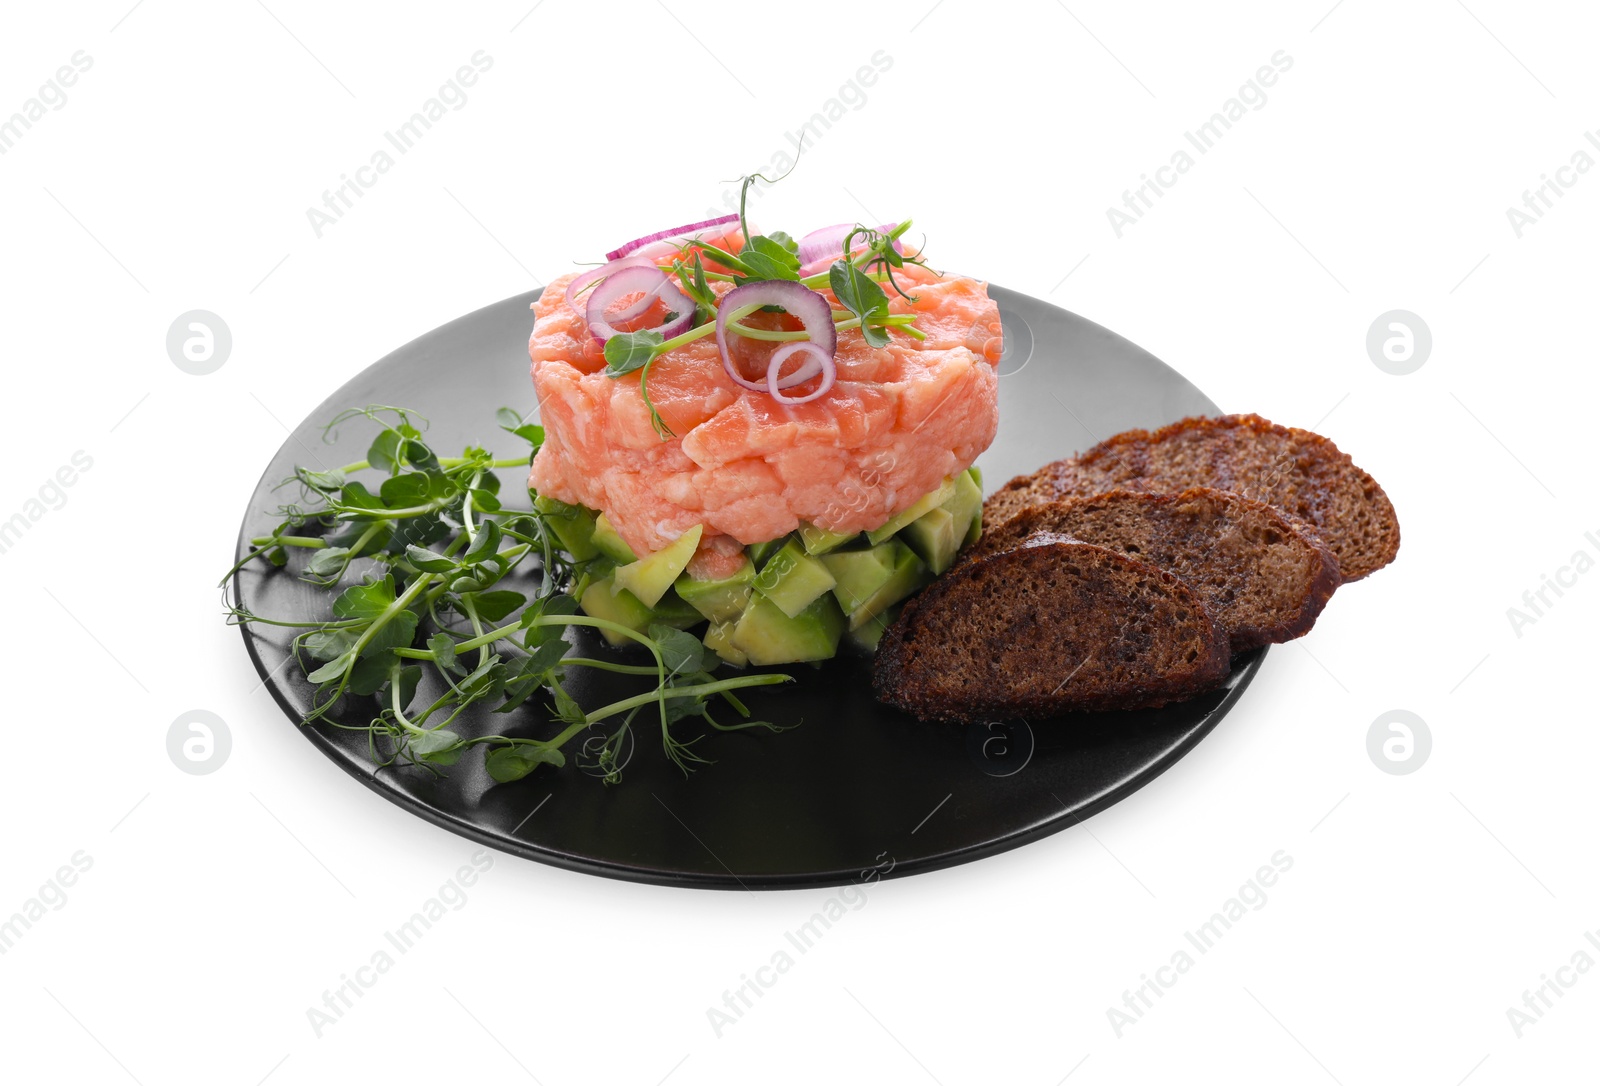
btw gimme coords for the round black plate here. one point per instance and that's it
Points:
(857, 791)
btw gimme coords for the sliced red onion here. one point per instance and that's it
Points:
(593, 275)
(636, 243)
(650, 281)
(828, 244)
(811, 308)
(817, 362)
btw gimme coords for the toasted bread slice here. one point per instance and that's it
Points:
(1263, 576)
(1295, 471)
(1051, 626)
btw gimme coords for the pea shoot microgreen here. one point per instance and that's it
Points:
(453, 607)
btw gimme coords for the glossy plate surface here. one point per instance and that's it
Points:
(857, 786)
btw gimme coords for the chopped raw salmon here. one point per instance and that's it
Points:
(898, 420)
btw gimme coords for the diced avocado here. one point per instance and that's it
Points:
(719, 639)
(935, 536)
(792, 579)
(867, 635)
(976, 530)
(768, 636)
(610, 543)
(649, 578)
(602, 599)
(821, 541)
(931, 500)
(573, 525)
(760, 552)
(874, 580)
(670, 610)
(965, 503)
(719, 601)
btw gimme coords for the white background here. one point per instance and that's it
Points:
(1419, 908)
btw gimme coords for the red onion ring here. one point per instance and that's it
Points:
(828, 242)
(593, 275)
(812, 310)
(652, 282)
(818, 362)
(623, 250)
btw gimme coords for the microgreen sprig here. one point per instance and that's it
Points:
(430, 611)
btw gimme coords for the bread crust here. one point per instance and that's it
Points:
(1305, 476)
(966, 648)
(1265, 576)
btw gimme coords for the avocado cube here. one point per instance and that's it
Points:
(760, 552)
(821, 541)
(670, 610)
(721, 600)
(866, 636)
(965, 503)
(931, 500)
(792, 579)
(604, 600)
(768, 636)
(935, 536)
(649, 578)
(610, 544)
(719, 639)
(869, 582)
(573, 526)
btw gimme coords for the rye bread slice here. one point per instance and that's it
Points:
(1263, 576)
(1297, 472)
(1051, 626)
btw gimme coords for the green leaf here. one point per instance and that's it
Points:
(506, 764)
(627, 351)
(329, 644)
(786, 241)
(682, 653)
(439, 747)
(508, 419)
(400, 491)
(357, 496)
(443, 648)
(397, 633)
(487, 542)
(371, 674)
(768, 259)
(323, 481)
(494, 606)
(856, 291)
(484, 501)
(429, 561)
(861, 296)
(333, 669)
(568, 711)
(365, 600)
(387, 452)
(328, 562)
(410, 678)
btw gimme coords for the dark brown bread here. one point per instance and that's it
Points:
(1052, 626)
(1295, 471)
(1263, 576)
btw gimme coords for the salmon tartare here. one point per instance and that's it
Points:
(839, 441)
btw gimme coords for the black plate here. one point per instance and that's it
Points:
(857, 788)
